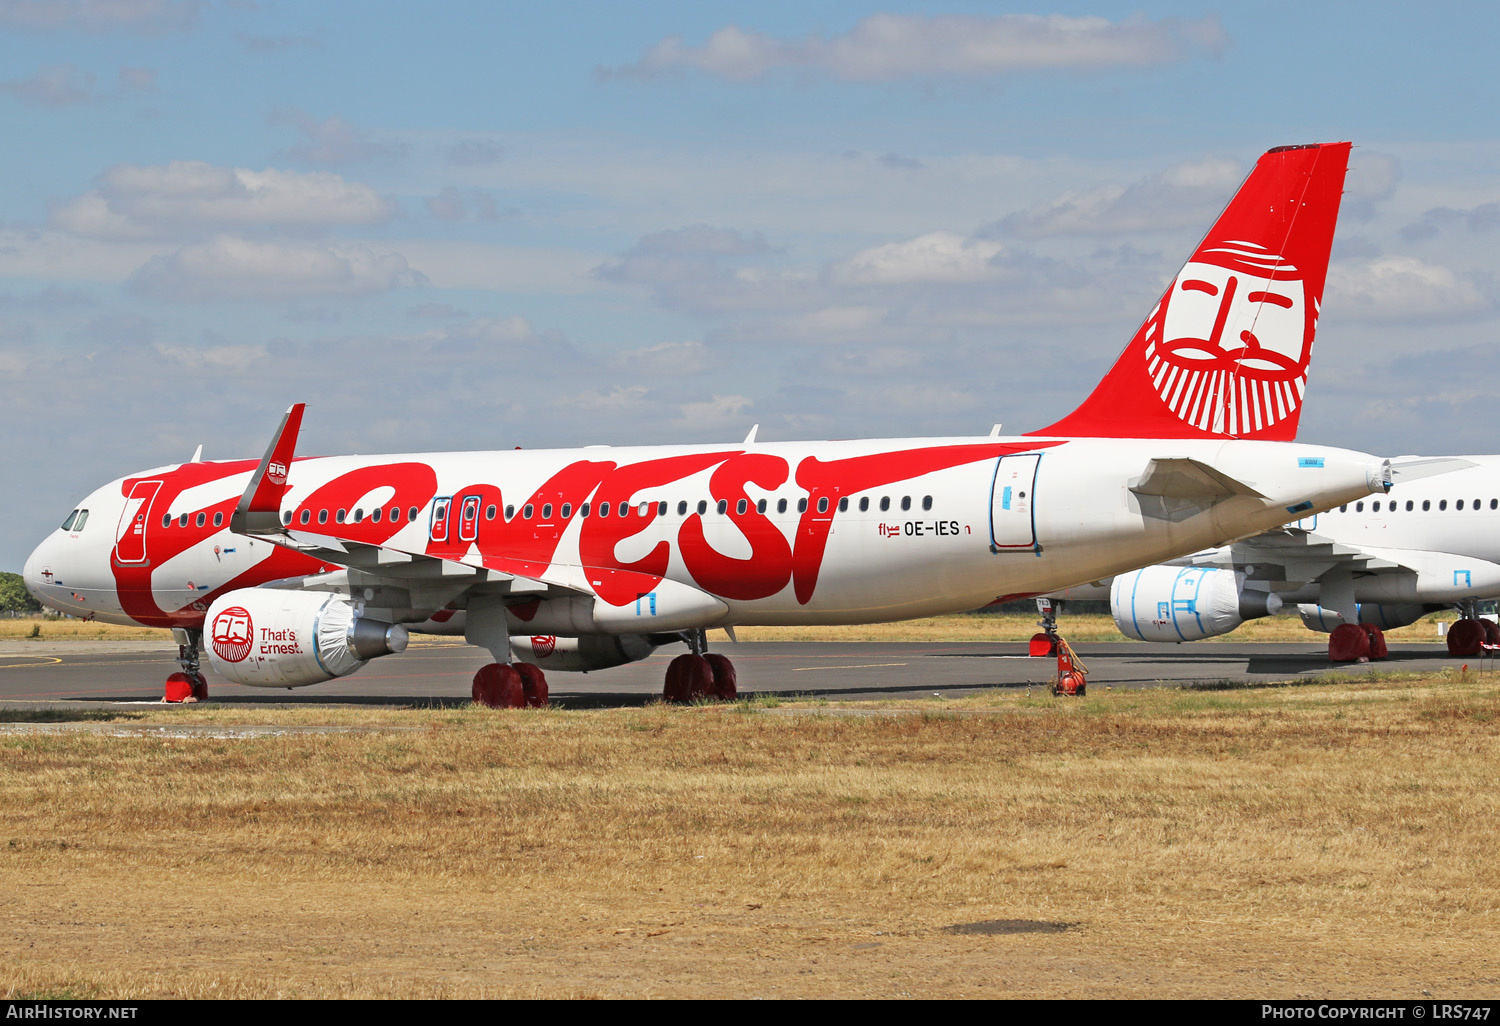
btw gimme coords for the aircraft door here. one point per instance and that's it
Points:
(1013, 503)
(130, 534)
(468, 518)
(439, 529)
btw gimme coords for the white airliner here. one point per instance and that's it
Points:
(1434, 543)
(301, 569)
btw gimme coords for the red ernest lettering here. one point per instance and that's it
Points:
(769, 565)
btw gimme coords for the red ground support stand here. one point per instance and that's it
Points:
(1071, 673)
(1041, 645)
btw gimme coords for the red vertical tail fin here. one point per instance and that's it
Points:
(1225, 351)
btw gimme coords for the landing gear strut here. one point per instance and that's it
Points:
(1046, 642)
(189, 684)
(699, 674)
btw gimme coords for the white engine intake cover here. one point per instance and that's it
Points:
(272, 638)
(1173, 604)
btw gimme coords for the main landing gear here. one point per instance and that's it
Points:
(510, 686)
(1468, 636)
(188, 685)
(700, 674)
(1356, 643)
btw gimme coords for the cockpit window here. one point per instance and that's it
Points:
(83, 518)
(67, 525)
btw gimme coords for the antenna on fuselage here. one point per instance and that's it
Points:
(197, 454)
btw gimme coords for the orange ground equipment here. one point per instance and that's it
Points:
(1072, 674)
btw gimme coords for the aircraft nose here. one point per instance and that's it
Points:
(36, 571)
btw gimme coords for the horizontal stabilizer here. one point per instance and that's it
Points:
(1415, 468)
(1180, 477)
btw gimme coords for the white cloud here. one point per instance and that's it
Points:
(1185, 196)
(141, 79)
(100, 15)
(669, 359)
(227, 267)
(56, 86)
(894, 46)
(335, 141)
(1397, 288)
(931, 258)
(192, 198)
(213, 358)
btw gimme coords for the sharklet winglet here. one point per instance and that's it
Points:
(259, 510)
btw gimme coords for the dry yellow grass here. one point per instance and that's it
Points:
(1331, 839)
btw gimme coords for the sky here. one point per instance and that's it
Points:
(482, 225)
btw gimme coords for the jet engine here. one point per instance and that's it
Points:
(581, 654)
(1171, 603)
(269, 638)
(1386, 617)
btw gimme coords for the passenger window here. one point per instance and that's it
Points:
(340, 515)
(411, 514)
(200, 520)
(864, 504)
(926, 502)
(182, 520)
(510, 512)
(760, 507)
(885, 503)
(1426, 505)
(1442, 504)
(306, 516)
(1459, 504)
(822, 504)
(546, 511)
(359, 515)
(682, 508)
(526, 511)
(1494, 503)
(583, 510)
(622, 509)
(322, 516)
(567, 510)
(1375, 506)
(1359, 507)
(492, 509)
(722, 506)
(906, 501)
(781, 505)
(166, 521)
(1409, 505)
(67, 525)
(661, 509)
(604, 509)
(375, 515)
(741, 506)
(1476, 504)
(286, 518)
(844, 504)
(801, 505)
(644, 509)
(1344, 508)
(702, 507)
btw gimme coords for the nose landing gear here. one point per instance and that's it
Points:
(188, 685)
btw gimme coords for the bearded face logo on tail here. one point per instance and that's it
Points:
(1225, 351)
(1229, 345)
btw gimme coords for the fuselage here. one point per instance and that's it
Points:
(778, 533)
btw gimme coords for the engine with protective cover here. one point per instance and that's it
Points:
(581, 654)
(1173, 604)
(1387, 616)
(266, 637)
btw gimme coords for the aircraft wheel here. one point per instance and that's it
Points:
(726, 681)
(498, 686)
(688, 677)
(533, 684)
(1378, 651)
(1491, 631)
(1348, 643)
(1465, 637)
(181, 687)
